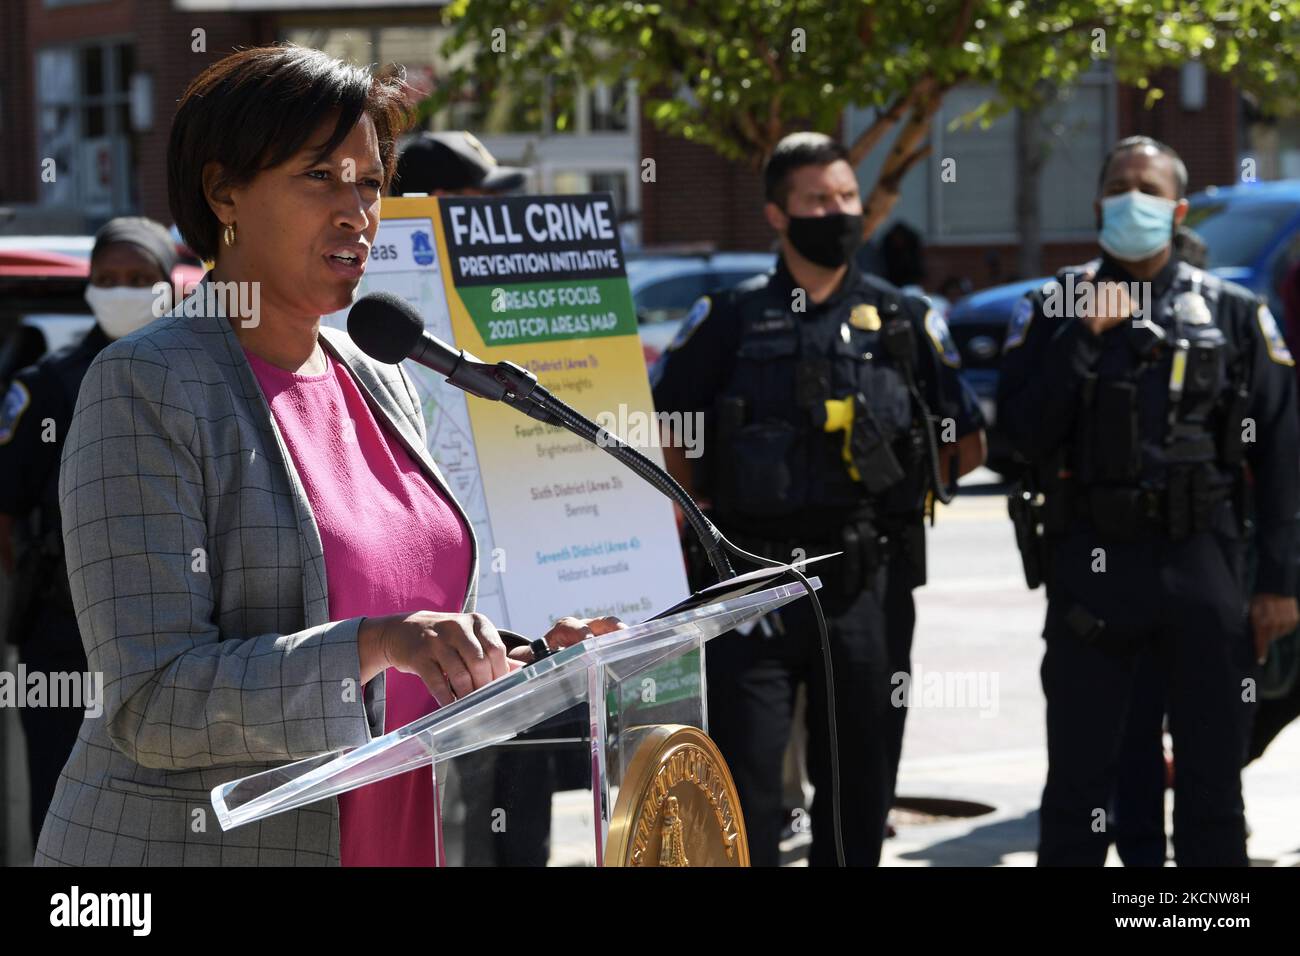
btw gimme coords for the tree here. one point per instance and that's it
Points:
(738, 75)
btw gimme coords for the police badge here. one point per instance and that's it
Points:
(1190, 308)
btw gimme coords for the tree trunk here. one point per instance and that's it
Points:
(1030, 156)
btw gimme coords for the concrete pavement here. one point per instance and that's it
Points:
(977, 616)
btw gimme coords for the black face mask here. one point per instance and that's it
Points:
(829, 241)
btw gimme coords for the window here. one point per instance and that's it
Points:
(84, 127)
(1075, 130)
(528, 108)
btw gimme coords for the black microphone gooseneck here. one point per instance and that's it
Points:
(388, 329)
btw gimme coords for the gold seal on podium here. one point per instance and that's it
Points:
(678, 805)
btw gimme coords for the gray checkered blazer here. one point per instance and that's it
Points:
(173, 461)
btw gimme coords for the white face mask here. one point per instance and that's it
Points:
(121, 309)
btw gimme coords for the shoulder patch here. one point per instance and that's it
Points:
(1277, 348)
(937, 329)
(699, 312)
(12, 407)
(1018, 325)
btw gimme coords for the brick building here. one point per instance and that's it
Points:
(91, 85)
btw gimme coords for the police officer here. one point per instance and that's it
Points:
(831, 401)
(453, 163)
(130, 255)
(1136, 387)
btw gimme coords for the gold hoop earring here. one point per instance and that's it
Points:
(228, 234)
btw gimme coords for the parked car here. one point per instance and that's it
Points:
(42, 288)
(1253, 234)
(665, 287)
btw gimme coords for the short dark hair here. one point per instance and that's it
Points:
(794, 152)
(254, 109)
(1137, 142)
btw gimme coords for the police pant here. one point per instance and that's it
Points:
(1182, 602)
(1138, 823)
(751, 687)
(52, 646)
(900, 623)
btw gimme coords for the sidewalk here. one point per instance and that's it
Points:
(1012, 781)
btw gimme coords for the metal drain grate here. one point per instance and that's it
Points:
(917, 811)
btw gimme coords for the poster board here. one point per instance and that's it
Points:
(562, 528)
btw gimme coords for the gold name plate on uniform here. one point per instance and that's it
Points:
(678, 805)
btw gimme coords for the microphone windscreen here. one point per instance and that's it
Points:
(385, 326)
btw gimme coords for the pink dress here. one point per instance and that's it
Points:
(393, 545)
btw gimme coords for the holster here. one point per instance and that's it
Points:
(1026, 511)
(864, 554)
(877, 465)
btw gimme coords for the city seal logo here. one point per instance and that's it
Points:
(421, 248)
(677, 806)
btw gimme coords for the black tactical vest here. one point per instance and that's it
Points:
(1161, 396)
(776, 469)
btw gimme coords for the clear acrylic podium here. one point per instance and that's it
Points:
(527, 770)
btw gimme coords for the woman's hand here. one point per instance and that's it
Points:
(452, 653)
(567, 632)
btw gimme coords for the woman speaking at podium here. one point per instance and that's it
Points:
(265, 562)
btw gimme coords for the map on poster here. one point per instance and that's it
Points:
(562, 527)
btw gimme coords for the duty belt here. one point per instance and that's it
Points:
(1176, 510)
(864, 549)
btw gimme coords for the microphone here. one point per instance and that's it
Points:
(389, 329)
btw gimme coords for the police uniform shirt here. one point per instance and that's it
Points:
(699, 363)
(35, 414)
(1049, 356)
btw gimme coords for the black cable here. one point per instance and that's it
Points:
(832, 725)
(710, 537)
(714, 544)
(941, 491)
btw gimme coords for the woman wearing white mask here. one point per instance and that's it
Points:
(130, 256)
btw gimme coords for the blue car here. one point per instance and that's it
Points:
(1253, 234)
